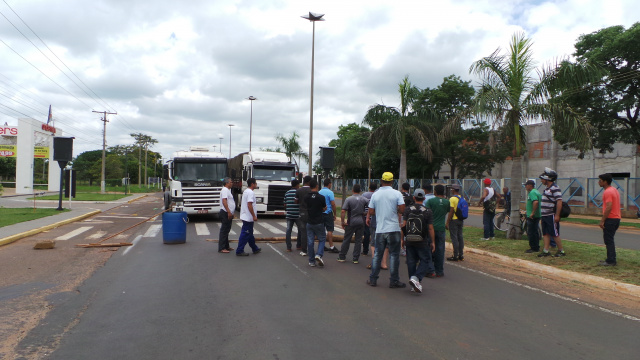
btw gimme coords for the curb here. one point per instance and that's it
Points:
(591, 280)
(138, 198)
(9, 239)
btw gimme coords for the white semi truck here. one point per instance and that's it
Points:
(194, 180)
(273, 173)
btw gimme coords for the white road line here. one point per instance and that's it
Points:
(286, 258)
(274, 230)
(97, 235)
(153, 230)
(73, 233)
(122, 216)
(134, 242)
(201, 229)
(558, 296)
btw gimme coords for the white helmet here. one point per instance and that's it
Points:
(549, 174)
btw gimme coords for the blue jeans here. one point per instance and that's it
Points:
(487, 221)
(314, 230)
(246, 236)
(438, 254)
(418, 261)
(290, 223)
(383, 240)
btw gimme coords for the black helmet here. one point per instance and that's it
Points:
(549, 174)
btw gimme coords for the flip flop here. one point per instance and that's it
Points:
(224, 251)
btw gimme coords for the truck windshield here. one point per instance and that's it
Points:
(273, 174)
(199, 171)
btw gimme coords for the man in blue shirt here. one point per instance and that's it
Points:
(329, 216)
(386, 204)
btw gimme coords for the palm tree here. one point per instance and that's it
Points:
(513, 93)
(292, 147)
(390, 126)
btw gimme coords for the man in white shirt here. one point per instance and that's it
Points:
(227, 209)
(248, 217)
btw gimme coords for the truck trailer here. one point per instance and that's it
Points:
(273, 173)
(194, 180)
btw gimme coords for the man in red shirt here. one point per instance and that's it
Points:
(610, 217)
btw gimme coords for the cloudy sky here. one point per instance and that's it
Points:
(180, 71)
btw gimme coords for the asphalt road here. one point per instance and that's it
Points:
(187, 301)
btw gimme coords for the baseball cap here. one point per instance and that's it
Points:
(487, 181)
(419, 194)
(387, 176)
(530, 182)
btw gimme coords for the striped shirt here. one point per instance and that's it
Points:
(293, 209)
(550, 196)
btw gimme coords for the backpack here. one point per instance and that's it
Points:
(490, 205)
(565, 211)
(462, 210)
(415, 227)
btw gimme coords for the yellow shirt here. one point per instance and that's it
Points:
(453, 201)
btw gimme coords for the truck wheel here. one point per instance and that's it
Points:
(167, 200)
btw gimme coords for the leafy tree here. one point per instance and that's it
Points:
(7, 168)
(84, 163)
(292, 147)
(143, 141)
(612, 107)
(511, 95)
(394, 126)
(480, 150)
(350, 154)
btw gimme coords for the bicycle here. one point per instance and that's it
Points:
(501, 221)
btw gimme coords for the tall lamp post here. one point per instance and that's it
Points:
(313, 17)
(251, 120)
(230, 125)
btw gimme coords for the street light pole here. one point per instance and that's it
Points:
(251, 120)
(230, 125)
(313, 17)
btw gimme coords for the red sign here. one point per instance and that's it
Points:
(9, 130)
(48, 128)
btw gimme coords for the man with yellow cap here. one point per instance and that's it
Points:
(386, 204)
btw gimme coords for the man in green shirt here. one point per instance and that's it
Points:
(534, 200)
(439, 205)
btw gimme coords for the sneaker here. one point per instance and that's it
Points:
(341, 260)
(484, 239)
(453, 258)
(312, 264)
(430, 275)
(355, 261)
(397, 285)
(302, 253)
(415, 284)
(531, 251)
(371, 283)
(257, 251)
(559, 254)
(319, 260)
(334, 250)
(605, 263)
(492, 238)
(327, 249)
(544, 254)
(461, 258)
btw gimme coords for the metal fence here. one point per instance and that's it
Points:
(577, 192)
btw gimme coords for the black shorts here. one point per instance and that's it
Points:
(328, 221)
(550, 227)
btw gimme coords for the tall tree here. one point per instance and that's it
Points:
(612, 107)
(142, 141)
(393, 126)
(513, 92)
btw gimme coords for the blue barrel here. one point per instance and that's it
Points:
(174, 227)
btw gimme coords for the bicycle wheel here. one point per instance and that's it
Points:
(501, 222)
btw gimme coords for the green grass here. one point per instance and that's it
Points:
(597, 221)
(581, 258)
(18, 215)
(85, 197)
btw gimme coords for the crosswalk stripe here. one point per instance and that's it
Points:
(269, 227)
(73, 233)
(201, 229)
(153, 230)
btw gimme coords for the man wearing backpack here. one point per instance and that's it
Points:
(551, 208)
(454, 224)
(417, 220)
(439, 206)
(488, 202)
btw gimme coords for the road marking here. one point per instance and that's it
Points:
(271, 228)
(73, 233)
(153, 230)
(286, 258)
(97, 235)
(122, 216)
(134, 242)
(558, 296)
(201, 229)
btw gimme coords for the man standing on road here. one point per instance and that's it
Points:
(551, 207)
(227, 209)
(293, 215)
(248, 217)
(534, 199)
(301, 193)
(439, 205)
(455, 226)
(329, 216)
(419, 249)
(386, 204)
(316, 205)
(353, 207)
(610, 217)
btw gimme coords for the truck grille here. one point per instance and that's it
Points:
(276, 197)
(201, 197)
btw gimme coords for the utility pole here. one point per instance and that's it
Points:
(104, 146)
